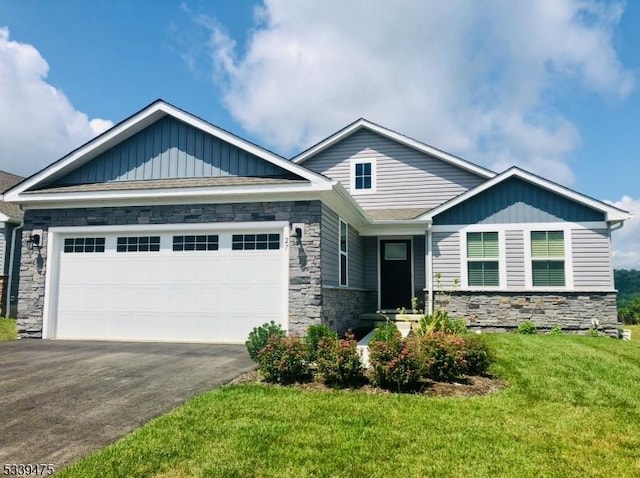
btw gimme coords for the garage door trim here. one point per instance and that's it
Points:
(55, 245)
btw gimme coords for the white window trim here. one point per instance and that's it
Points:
(341, 253)
(502, 258)
(568, 258)
(352, 176)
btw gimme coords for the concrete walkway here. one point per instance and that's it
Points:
(60, 400)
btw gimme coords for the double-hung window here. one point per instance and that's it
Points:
(483, 259)
(363, 176)
(547, 258)
(344, 253)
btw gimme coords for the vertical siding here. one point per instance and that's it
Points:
(329, 254)
(446, 257)
(591, 258)
(5, 235)
(517, 201)
(514, 244)
(170, 149)
(371, 263)
(418, 266)
(406, 178)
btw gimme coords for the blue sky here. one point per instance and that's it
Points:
(552, 86)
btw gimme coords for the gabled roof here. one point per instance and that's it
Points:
(611, 213)
(9, 212)
(137, 122)
(395, 136)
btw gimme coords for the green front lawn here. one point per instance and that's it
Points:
(572, 409)
(8, 329)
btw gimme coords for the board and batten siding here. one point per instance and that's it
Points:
(514, 245)
(592, 258)
(406, 178)
(446, 258)
(516, 201)
(419, 251)
(170, 149)
(370, 262)
(329, 255)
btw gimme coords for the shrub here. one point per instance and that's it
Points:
(258, 338)
(556, 330)
(315, 333)
(527, 328)
(339, 362)
(284, 360)
(477, 355)
(386, 332)
(440, 321)
(443, 355)
(396, 363)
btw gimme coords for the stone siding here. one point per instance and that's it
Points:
(305, 295)
(342, 308)
(503, 311)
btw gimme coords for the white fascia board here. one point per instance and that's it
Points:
(612, 213)
(400, 138)
(395, 228)
(138, 122)
(4, 218)
(172, 196)
(343, 204)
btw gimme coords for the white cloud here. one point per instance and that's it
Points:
(38, 124)
(626, 241)
(474, 78)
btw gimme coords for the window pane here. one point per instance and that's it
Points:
(366, 169)
(556, 244)
(395, 251)
(359, 183)
(490, 243)
(474, 272)
(548, 273)
(483, 273)
(367, 183)
(343, 236)
(556, 273)
(539, 246)
(343, 269)
(474, 244)
(491, 275)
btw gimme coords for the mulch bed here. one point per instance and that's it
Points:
(468, 386)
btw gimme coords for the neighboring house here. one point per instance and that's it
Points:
(166, 227)
(10, 220)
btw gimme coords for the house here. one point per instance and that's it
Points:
(166, 227)
(10, 220)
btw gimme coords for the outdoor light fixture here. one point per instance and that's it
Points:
(33, 241)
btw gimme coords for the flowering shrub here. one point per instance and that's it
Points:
(396, 363)
(315, 333)
(339, 362)
(444, 355)
(284, 360)
(477, 354)
(258, 338)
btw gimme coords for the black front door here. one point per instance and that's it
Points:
(395, 274)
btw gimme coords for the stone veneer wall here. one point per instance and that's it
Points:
(341, 308)
(503, 311)
(305, 295)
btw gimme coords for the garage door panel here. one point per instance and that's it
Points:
(196, 296)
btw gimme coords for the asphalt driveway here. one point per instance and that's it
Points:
(60, 400)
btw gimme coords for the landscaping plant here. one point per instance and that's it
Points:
(527, 328)
(444, 356)
(478, 355)
(338, 361)
(315, 333)
(385, 332)
(259, 336)
(396, 364)
(284, 360)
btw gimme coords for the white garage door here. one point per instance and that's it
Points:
(209, 286)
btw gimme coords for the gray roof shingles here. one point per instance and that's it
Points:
(8, 180)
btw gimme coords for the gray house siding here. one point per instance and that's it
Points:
(406, 178)
(516, 201)
(170, 149)
(592, 258)
(446, 258)
(5, 236)
(419, 252)
(514, 244)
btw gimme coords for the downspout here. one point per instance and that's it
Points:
(12, 255)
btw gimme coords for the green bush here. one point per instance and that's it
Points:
(284, 360)
(478, 355)
(527, 328)
(315, 333)
(443, 356)
(258, 338)
(386, 332)
(396, 363)
(440, 321)
(555, 331)
(339, 362)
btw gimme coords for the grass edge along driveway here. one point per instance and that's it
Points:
(572, 409)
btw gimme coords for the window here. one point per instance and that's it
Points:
(344, 249)
(394, 251)
(195, 243)
(84, 244)
(363, 177)
(138, 244)
(547, 258)
(483, 259)
(252, 242)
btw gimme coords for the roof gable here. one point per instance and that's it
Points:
(518, 196)
(363, 124)
(9, 212)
